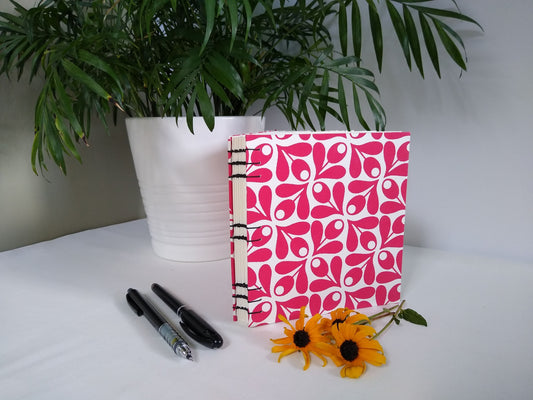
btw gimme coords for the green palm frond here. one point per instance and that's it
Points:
(212, 57)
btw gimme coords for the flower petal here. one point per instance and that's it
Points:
(282, 318)
(369, 344)
(283, 340)
(337, 334)
(300, 322)
(363, 331)
(325, 348)
(356, 318)
(372, 357)
(278, 349)
(324, 361)
(307, 359)
(353, 372)
(286, 353)
(337, 360)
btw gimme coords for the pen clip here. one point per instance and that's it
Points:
(134, 306)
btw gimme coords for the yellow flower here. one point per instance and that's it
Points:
(306, 338)
(354, 348)
(340, 316)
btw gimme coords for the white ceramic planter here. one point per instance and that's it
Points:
(183, 178)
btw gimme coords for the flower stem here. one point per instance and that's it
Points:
(386, 312)
(382, 314)
(394, 318)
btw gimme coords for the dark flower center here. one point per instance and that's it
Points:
(338, 321)
(349, 350)
(301, 338)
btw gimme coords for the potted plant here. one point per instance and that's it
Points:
(209, 58)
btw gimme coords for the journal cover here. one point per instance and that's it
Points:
(317, 220)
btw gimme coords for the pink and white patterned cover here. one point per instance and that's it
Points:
(331, 210)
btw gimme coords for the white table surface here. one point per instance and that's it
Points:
(67, 332)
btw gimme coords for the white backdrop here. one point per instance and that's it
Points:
(471, 173)
(471, 170)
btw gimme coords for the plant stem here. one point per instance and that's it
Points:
(384, 313)
(394, 318)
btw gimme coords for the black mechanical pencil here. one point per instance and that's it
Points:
(194, 325)
(174, 340)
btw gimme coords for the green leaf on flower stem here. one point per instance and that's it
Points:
(412, 316)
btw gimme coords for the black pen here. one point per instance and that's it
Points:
(174, 340)
(194, 325)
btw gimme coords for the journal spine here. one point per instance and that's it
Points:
(238, 227)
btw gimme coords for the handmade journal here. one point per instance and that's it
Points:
(317, 220)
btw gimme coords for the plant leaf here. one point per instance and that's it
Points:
(377, 110)
(410, 27)
(190, 111)
(210, 13)
(357, 107)
(343, 28)
(401, 33)
(98, 63)
(356, 31)
(430, 42)
(66, 105)
(234, 20)
(249, 14)
(412, 316)
(377, 35)
(323, 100)
(78, 74)
(206, 108)
(446, 14)
(343, 107)
(449, 44)
(225, 73)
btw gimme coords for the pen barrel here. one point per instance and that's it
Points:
(142, 307)
(167, 298)
(174, 340)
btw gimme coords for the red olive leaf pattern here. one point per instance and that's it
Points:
(333, 198)
(320, 243)
(259, 205)
(296, 270)
(315, 304)
(297, 194)
(261, 154)
(327, 167)
(286, 154)
(259, 249)
(285, 234)
(290, 308)
(331, 274)
(334, 207)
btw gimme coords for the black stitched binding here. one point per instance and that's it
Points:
(243, 163)
(237, 225)
(245, 285)
(246, 309)
(245, 238)
(243, 176)
(244, 150)
(245, 297)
